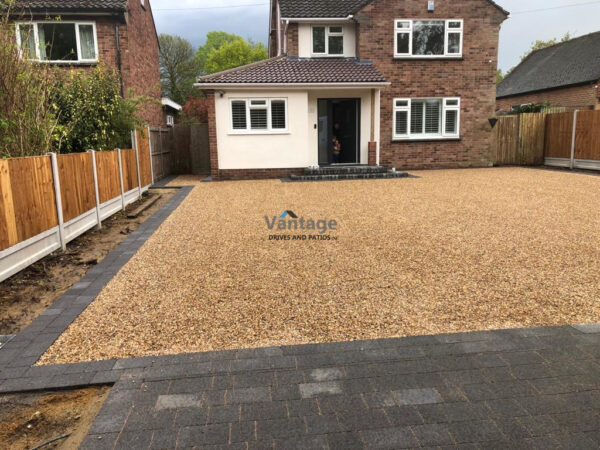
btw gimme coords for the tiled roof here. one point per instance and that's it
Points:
(61, 5)
(568, 63)
(290, 70)
(329, 8)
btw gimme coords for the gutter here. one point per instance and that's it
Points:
(319, 19)
(363, 85)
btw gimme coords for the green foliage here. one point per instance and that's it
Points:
(234, 54)
(540, 44)
(91, 112)
(499, 76)
(214, 41)
(530, 108)
(178, 68)
(26, 123)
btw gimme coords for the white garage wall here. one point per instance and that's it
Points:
(265, 151)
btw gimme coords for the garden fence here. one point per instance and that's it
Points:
(47, 201)
(566, 139)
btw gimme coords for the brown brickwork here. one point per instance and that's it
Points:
(372, 148)
(585, 96)
(246, 174)
(472, 78)
(212, 135)
(292, 40)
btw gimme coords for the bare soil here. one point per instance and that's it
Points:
(28, 420)
(27, 294)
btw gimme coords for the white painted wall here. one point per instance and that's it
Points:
(265, 151)
(298, 147)
(305, 39)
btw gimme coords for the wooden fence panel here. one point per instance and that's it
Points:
(8, 224)
(109, 185)
(531, 138)
(144, 158)
(587, 136)
(128, 164)
(76, 176)
(199, 154)
(559, 132)
(505, 141)
(33, 199)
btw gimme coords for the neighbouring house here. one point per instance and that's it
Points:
(563, 75)
(171, 111)
(119, 33)
(402, 84)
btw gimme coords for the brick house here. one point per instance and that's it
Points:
(120, 33)
(402, 85)
(564, 75)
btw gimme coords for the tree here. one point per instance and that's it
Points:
(234, 54)
(500, 76)
(539, 44)
(178, 68)
(214, 41)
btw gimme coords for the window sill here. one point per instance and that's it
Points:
(430, 58)
(67, 63)
(257, 133)
(426, 139)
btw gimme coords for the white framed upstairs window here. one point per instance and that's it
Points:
(426, 118)
(327, 40)
(428, 38)
(259, 116)
(58, 42)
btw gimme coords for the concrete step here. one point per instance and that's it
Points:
(349, 176)
(341, 170)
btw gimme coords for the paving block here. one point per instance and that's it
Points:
(416, 396)
(390, 438)
(172, 401)
(308, 390)
(248, 395)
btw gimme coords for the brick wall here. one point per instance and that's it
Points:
(140, 60)
(292, 40)
(585, 96)
(471, 78)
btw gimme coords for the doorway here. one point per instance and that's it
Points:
(340, 118)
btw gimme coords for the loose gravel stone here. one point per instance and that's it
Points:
(453, 250)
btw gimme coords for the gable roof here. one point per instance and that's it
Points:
(71, 5)
(300, 9)
(293, 70)
(573, 62)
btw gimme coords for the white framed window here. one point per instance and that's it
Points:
(426, 118)
(327, 40)
(259, 115)
(58, 42)
(170, 120)
(428, 38)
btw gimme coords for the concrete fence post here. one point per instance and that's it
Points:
(150, 151)
(573, 140)
(134, 140)
(57, 196)
(96, 189)
(121, 179)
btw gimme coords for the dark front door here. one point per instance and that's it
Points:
(339, 118)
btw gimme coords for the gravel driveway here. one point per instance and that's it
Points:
(454, 250)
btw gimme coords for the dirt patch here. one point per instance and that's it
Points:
(28, 420)
(452, 250)
(27, 294)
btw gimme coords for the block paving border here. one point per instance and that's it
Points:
(518, 388)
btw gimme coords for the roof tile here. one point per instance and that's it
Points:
(61, 5)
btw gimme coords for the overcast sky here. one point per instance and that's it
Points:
(192, 19)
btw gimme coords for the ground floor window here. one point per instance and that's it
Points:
(258, 115)
(426, 118)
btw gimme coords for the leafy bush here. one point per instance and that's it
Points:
(27, 124)
(91, 112)
(195, 111)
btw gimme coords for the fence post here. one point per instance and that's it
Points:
(573, 139)
(137, 161)
(121, 179)
(96, 190)
(150, 151)
(57, 196)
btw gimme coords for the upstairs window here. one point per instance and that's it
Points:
(428, 118)
(258, 115)
(58, 42)
(328, 40)
(428, 38)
